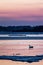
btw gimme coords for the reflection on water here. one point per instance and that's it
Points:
(21, 36)
(21, 47)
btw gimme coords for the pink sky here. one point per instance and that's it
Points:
(27, 10)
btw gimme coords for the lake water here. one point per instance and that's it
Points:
(21, 35)
(18, 43)
(21, 47)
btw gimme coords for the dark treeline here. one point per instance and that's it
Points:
(21, 29)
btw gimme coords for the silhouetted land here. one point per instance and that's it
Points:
(21, 29)
(29, 59)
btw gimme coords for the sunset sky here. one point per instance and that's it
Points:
(21, 12)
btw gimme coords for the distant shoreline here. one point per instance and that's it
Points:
(21, 28)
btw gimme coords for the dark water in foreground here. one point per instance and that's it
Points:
(29, 59)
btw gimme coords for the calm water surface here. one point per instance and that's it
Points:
(21, 47)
